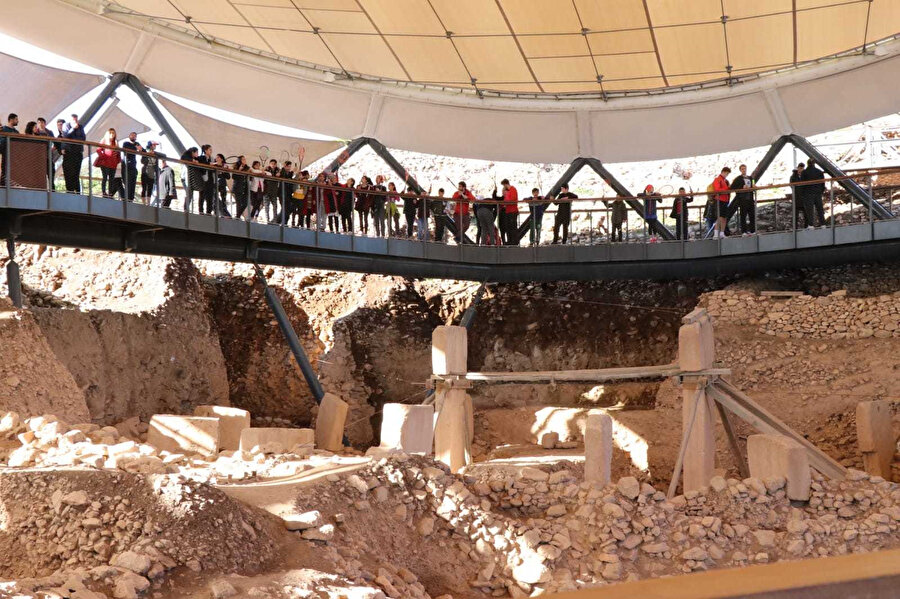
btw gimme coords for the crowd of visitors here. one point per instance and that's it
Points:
(284, 194)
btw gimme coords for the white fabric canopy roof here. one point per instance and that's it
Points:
(232, 140)
(114, 118)
(276, 87)
(32, 90)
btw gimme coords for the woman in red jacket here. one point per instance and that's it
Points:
(108, 158)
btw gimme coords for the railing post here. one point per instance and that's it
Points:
(7, 160)
(831, 200)
(49, 174)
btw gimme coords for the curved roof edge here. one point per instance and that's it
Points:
(807, 100)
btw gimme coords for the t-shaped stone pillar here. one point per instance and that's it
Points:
(598, 447)
(452, 437)
(696, 342)
(875, 436)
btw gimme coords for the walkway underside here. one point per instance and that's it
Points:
(476, 263)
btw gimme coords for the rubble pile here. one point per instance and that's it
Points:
(801, 316)
(540, 531)
(119, 532)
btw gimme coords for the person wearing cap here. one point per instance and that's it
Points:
(650, 198)
(796, 193)
(149, 171)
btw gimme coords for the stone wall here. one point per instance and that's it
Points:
(834, 316)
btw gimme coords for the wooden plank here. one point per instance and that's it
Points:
(859, 576)
(733, 442)
(751, 412)
(781, 293)
(587, 376)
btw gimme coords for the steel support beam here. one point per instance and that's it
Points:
(770, 156)
(579, 163)
(115, 80)
(852, 187)
(290, 336)
(655, 225)
(13, 279)
(411, 184)
(138, 87)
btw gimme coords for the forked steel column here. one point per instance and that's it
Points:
(138, 87)
(115, 80)
(635, 204)
(315, 387)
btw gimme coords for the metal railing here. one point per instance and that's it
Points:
(256, 196)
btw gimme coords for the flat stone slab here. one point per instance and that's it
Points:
(777, 456)
(449, 350)
(232, 422)
(409, 428)
(180, 434)
(287, 438)
(330, 423)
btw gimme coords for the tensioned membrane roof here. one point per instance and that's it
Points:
(676, 77)
(537, 46)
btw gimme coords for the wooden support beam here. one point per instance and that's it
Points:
(742, 406)
(584, 376)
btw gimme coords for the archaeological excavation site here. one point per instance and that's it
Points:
(444, 439)
(449, 299)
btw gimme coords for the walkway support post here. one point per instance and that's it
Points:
(115, 80)
(13, 278)
(138, 87)
(290, 336)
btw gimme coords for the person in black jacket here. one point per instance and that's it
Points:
(680, 213)
(271, 188)
(812, 194)
(208, 189)
(240, 186)
(797, 195)
(222, 177)
(563, 217)
(743, 202)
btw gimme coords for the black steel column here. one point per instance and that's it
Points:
(137, 86)
(852, 187)
(770, 156)
(352, 148)
(290, 336)
(115, 80)
(635, 204)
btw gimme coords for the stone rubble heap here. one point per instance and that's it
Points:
(118, 533)
(544, 531)
(801, 316)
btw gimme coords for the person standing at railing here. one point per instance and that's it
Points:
(302, 203)
(149, 169)
(240, 186)
(485, 215)
(130, 171)
(437, 213)
(536, 206)
(208, 191)
(12, 121)
(379, 203)
(618, 218)
(363, 204)
(345, 201)
(108, 159)
(509, 214)
(73, 154)
(271, 188)
(41, 130)
(422, 215)
(650, 199)
(462, 209)
(285, 190)
(812, 195)
(191, 177)
(410, 207)
(744, 202)
(680, 213)
(222, 177)
(796, 195)
(257, 189)
(166, 191)
(563, 216)
(720, 183)
(393, 210)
